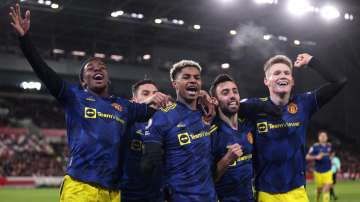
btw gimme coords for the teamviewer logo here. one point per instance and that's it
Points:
(184, 139)
(90, 113)
(262, 127)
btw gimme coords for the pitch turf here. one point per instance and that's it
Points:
(346, 191)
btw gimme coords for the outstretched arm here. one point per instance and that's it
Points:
(335, 80)
(22, 25)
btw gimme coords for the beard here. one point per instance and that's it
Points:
(228, 112)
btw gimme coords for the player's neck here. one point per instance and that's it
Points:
(231, 120)
(280, 99)
(189, 103)
(323, 143)
(103, 93)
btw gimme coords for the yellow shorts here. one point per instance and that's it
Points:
(322, 179)
(76, 191)
(295, 195)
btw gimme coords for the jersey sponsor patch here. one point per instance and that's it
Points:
(262, 127)
(184, 138)
(90, 113)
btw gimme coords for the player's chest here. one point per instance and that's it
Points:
(136, 138)
(294, 120)
(189, 133)
(107, 111)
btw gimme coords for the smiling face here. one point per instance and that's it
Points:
(279, 79)
(95, 76)
(228, 96)
(187, 84)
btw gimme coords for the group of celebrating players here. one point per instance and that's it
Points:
(199, 148)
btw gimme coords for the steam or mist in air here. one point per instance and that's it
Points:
(251, 37)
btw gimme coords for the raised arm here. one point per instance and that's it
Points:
(22, 25)
(335, 80)
(233, 153)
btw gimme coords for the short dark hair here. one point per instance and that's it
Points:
(83, 64)
(177, 67)
(135, 86)
(323, 131)
(220, 79)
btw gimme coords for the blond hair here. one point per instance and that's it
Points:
(278, 59)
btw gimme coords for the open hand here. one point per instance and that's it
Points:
(21, 25)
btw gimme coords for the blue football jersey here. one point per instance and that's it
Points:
(135, 186)
(280, 144)
(95, 132)
(187, 152)
(324, 164)
(236, 183)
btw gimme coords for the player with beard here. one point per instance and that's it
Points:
(178, 138)
(135, 186)
(280, 142)
(234, 162)
(96, 121)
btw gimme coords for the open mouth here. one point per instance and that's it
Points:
(98, 77)
(233, 104)
(282, 83)
(192, 90)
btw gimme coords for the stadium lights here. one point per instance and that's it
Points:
(299, 7)
(348, 16)
(197, 27)
(117, 13)
(146, 57)
(140, 16)
(267, 37)
(177, 22)
(58, 51)
(266, 1)
(54, 6)
(225, 66)
(78, 53)
(47, 2)
(117, 58)
(30, 85)
(137, 15)
(233, 32)
(99, 55)
(158, 21)
(282, 38)
(329, 12)
(297, 42)
(41, 1)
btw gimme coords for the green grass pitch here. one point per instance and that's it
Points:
(347, 192)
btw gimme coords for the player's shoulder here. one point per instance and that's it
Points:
(316, 144)
(164, 116)
(254, 99)
(169, 108)
(304, 95)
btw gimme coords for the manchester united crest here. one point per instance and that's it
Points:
(292, 108)
(117, 106)
(250, 138)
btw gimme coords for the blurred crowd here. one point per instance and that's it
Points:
(29, 154)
